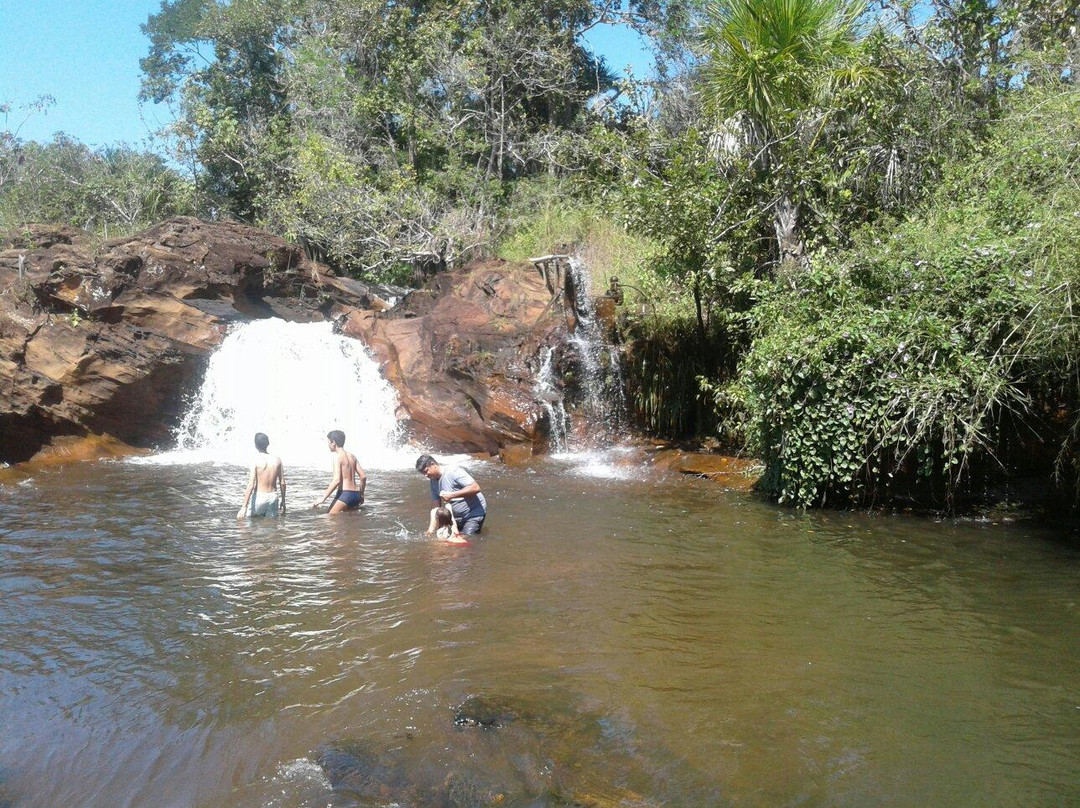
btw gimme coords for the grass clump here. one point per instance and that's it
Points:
(543, 218)
(664, 355)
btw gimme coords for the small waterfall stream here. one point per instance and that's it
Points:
(294, 382)
(601, 380)
(547, 392)
(586, 407)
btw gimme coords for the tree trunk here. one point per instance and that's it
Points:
(491, 131)
(502, 126)
(793, 260)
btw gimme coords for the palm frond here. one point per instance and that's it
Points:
(767, 58)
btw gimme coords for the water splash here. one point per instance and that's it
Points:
(295, 382)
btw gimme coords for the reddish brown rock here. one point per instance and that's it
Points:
(462, 355)
(107, 340)
(731, 472)
(516, 454)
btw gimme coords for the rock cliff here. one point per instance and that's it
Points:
(105, 338)
(462, 353)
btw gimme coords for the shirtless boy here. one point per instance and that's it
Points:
(347, 473)
(267, 474)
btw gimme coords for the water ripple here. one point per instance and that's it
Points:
(157, 652)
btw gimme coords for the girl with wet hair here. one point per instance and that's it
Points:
(446, 527)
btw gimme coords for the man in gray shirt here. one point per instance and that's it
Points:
(454, 487)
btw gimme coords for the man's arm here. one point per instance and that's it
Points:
(461, 493)
(247, 494)
(281, 483)
(361, 480)
(334, 485)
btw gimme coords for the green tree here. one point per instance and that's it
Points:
(941, 348)
(114, 190)
(223, 64)
(334, 120)
(773, 67)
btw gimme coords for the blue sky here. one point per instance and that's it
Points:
(85, 53)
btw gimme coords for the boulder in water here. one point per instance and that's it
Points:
(736, 473)
(516, 454)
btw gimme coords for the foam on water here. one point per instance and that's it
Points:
(295, 382)
(605, 464)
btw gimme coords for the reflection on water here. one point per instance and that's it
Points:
(671, 644)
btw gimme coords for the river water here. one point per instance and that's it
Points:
(652, 642)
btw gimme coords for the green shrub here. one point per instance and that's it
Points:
(110, 191)
(543, 217)
(907, 353)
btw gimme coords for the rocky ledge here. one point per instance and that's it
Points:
(462, 354)
(107, 338)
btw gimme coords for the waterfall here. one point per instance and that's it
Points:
(550, 397)
(601, 380)
(595, 389)
(295, 382)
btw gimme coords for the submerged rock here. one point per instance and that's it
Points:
(482, 711)
(442, 778)
(496, 751)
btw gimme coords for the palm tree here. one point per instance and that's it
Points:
(771, 65)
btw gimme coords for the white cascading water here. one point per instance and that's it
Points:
(549, 396)
(601, 372)
(295, 382)
(596, 449)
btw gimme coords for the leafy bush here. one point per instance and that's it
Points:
(907, 353)
(111, 191)
(543, 217)
(664, 351)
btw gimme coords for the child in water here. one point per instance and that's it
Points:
(446, 527)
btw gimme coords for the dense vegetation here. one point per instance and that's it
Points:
(111, 191)
(933, 343)
(847, 234)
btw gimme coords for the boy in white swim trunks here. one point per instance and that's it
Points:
(262, 497)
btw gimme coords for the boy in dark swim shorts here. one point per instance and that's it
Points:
(349, 480)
